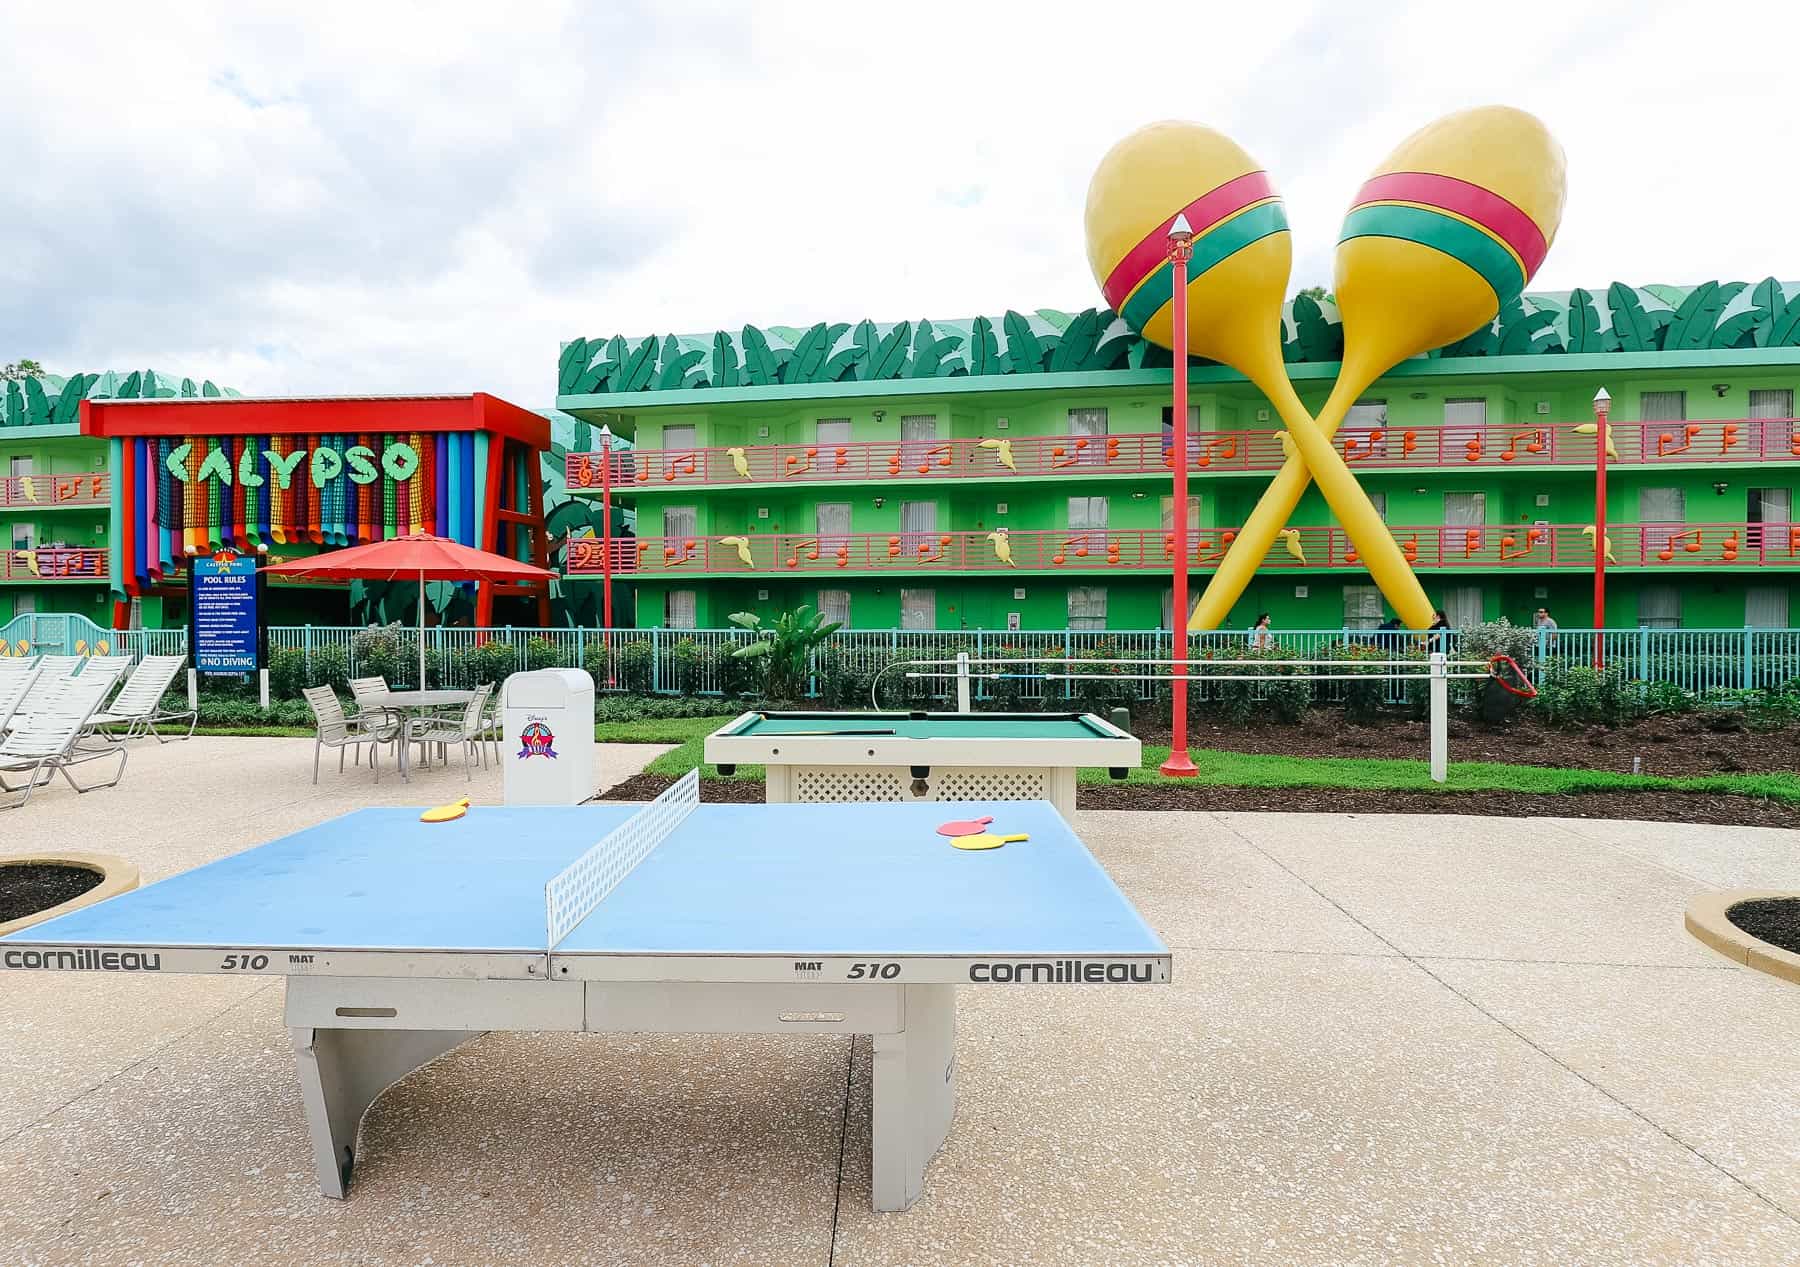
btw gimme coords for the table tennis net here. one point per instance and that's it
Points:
(574, 892)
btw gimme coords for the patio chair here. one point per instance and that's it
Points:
(338, 731)
(49, 740)
(385, 724)
(52, 669)
(465, 730)
(491, 728)
(139, 704)
(12, 690)
(111, 667)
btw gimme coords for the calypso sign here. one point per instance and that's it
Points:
(398, 461)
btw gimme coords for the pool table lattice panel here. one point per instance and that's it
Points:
(864, 784)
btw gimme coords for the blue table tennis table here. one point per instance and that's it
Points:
(401, 940)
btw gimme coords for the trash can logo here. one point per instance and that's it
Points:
(535, 741)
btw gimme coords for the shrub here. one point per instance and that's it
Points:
(1580, 696)
(1484, 641)
(689, 665)
(287, 673)
(1364, 696)
(636, 665)
(785, 646)
(540, 653)
(655, 707)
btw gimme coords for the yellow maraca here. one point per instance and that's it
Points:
(1237, 281)
(1449, 228)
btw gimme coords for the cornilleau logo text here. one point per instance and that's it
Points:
(84, 960)
(1061, 972)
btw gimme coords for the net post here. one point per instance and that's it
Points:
(962, 682)
(574, 892)
(1440, 719)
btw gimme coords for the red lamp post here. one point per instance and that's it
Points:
(1180, 765)
(606, 560)
(1602, 404)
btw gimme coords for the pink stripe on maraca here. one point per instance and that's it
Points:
(1202, 213)
(1483, 206)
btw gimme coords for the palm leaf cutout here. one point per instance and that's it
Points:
(929, 352)
(984, 350)
(1483, 341)
(15, 405)
(1638, 331)
(37, 405)
(724, 361)
(1116, 345)
(811, 351)
(210, 388)
(1698, 316)
(1057, 320)
(1076, 347)
(67, 410)
(617, 350)
(129, 389)
(1024, 350)
(889, 357)
(1521, 325)
(866, 341)
(1584, 330)
(675, 365)
(570, 364)
(762, 367)
(636, 370)
(1320, 339)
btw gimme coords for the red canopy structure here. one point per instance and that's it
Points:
(418, 556)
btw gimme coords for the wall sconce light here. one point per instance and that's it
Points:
(880, 414)
(880, 502)
(1720, 488)
(1421, 395)
(1719, 389)
(1139, 495)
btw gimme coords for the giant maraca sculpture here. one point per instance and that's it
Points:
(1237, 283)
(1451, 227)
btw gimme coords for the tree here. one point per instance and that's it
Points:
(785, 647)
(22, 368)
(1313, 292)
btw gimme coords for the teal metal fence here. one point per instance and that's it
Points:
(699, 661)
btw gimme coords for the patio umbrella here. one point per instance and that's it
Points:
(418, 556)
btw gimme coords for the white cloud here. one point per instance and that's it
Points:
(377, 198)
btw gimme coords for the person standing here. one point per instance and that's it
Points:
(1260, 637)
(1438, 635)
(1545, 624)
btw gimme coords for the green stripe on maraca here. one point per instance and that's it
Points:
(1458, 239)
(1224, 241)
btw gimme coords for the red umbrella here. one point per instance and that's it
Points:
(418, 556)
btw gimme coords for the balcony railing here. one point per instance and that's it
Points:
(47, 492)
(1373, 448)
(1486, 547)
(54, 563)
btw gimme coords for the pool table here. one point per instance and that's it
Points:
(901, 756)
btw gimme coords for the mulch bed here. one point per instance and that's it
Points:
(1775, 920)
(1667, 745)
(28, 889)
(1668, 807)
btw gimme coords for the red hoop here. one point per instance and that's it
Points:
(1525, 690)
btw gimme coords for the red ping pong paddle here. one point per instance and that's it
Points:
(965, 827)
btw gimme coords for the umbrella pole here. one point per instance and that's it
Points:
(421, 630)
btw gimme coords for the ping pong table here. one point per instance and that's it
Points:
(401, 940)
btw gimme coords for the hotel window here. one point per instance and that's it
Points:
(1362, 607)
(680, 608)
(24, 604)
(918, 526)
(918, 436)
(1662, 407)
(835, 605)
(1463, 605)
(1659, 607)
(1168, 513)
(1765, 506)
(1087, 607)
(680, 521)
(678, 439)
(831, 520)
(1364, 418)
(1379, 502)
(918, 609)
(1766, 607)
(1087, 513)
(1168, 431)
(1090, 423)
(832, 431)
(21, 465)
(1662, 505)
(1469, 413)
(1774, 403)
(1462, 510)
(21, 536)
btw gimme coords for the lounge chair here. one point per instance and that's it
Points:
(13, 687)
(49, 740)
(52, 669)
(139, 703)
(467, 729)
(338, 731)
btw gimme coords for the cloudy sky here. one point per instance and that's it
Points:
(373, 198)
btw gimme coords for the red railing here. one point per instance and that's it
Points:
(1489, 547)
(50, 491)
(54, 563)
(998, 457)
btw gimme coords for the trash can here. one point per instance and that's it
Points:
(548, 746)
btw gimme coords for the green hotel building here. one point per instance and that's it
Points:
(1013, 472)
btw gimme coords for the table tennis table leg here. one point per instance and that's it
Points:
(914, 1094)
(343, 1072)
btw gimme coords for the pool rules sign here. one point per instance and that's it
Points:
(225, 632)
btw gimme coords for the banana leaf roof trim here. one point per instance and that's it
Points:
(51, 400)
(1617, 318)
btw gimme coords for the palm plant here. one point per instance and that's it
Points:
(784, 646)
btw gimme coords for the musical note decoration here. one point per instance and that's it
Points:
(1729, 438)
(1728, 548)
(674, 558)
(893, 547)
(1511, 549)
(794, 464)
(1410, 548)
(1061, 457)
(941, 452)
(933, 551)
(1471, 541)
(1688, 541)
(1534, 445)
(1472, 450)
(805, 549)
(1224, 446)
(1665, 443)
(840, 457)
(1409, 441)
(1356, 450)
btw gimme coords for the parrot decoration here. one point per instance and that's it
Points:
(1588, 532)
(30, 487)
(1003, 453)
(1592, 428)
(1002, 546)
(741, 545)
(1290, 537)
(739, 462)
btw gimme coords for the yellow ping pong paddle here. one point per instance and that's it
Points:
(986, 840)
(444, 813)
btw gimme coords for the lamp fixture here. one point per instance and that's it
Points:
(880, 414)
(880, 502)
(1719, 389)
(1720, 488)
